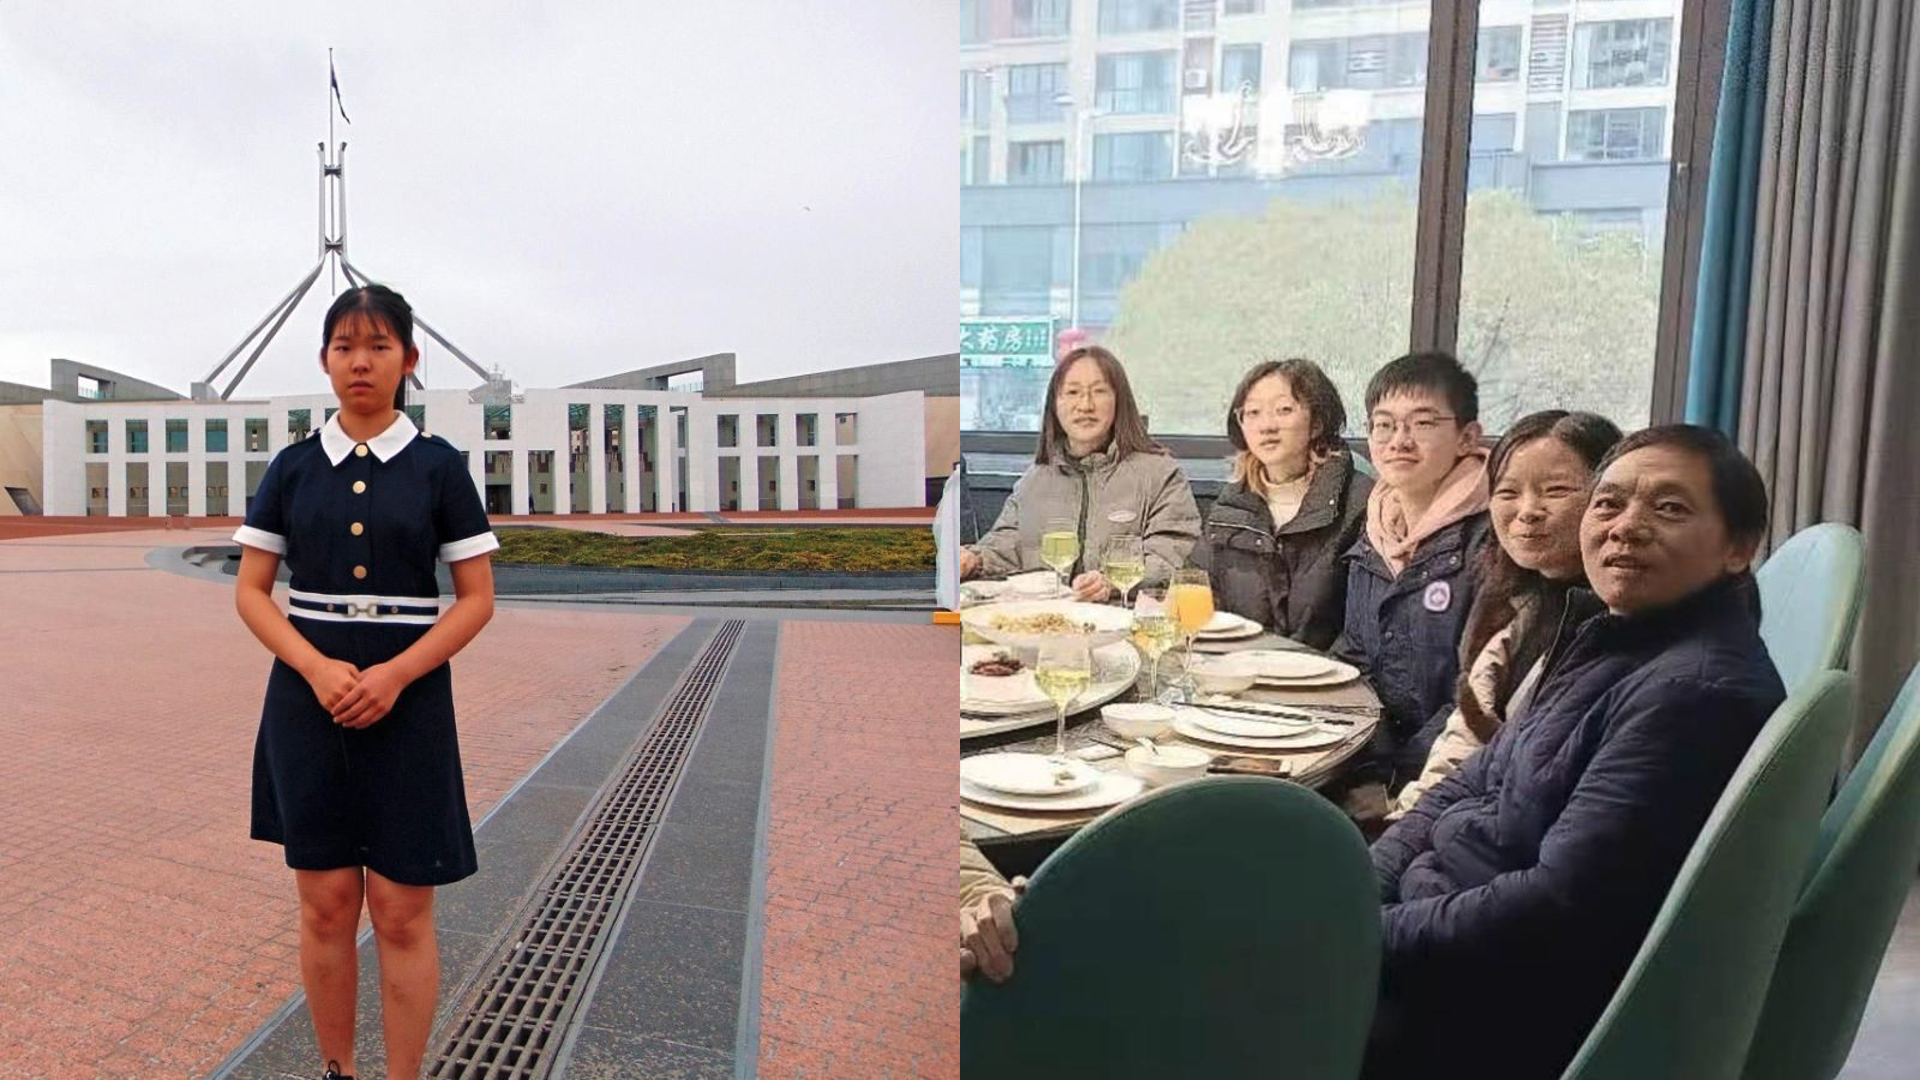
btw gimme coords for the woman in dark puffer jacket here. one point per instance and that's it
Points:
(1274, 539)
(1516, 892)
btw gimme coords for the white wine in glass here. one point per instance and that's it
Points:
(1060, 547)
(1153, 632)
(1124, 564)
(1063, 672)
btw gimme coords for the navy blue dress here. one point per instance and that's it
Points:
(360, 527)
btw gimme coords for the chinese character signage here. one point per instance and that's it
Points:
(989, 343)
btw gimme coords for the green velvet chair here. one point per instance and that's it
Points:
(1687, 1006)
(1225, 927)
(1863, 868)
(1810, 590)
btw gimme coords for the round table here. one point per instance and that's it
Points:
(1017, 841)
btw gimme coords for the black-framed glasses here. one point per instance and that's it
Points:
(1423, 427)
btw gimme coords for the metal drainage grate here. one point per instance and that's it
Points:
(517, 1017)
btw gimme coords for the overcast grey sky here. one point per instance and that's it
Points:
(566, 190)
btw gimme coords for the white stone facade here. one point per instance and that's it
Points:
(875, 443)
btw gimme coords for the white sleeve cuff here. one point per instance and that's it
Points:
(468, 548)
(262, 539)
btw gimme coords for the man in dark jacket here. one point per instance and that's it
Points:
(1411, 577)
(1517, 891)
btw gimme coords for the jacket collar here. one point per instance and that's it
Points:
(1319, 507)
(338, 444)
(1733, 599)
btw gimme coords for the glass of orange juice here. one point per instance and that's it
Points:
(1190, 600)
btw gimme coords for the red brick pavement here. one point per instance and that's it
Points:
(859, 976)
(141, 932)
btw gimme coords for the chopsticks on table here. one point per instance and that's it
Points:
(1278, 713)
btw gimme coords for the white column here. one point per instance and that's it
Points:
(597, 457)
(518, 467)
(665, 486)
(197, 465)
(829, 478)
(630, 450)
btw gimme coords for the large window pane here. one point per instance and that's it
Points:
(1033, 92)
(1566, 220)
(1039, 18)
(1244, 198)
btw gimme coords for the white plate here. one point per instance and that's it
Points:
(1253, 727)
(1028, 774)
(1226, 626)
(1341, 674)
(1187, 724)
(1110, 624)
(1115, 669)
(1113, 789)
(1278, 664)
(998, 695)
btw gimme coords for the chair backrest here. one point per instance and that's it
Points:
(1687, 1006)
(1862, 870)
(1224, 927)
(1810, 600)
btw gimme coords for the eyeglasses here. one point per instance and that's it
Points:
(1251, 415)
(1422, 427)
(1077, 394)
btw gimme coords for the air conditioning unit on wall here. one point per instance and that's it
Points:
(1196, 79)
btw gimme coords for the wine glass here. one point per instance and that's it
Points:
(1153, 632)
(1191, 599)
(1063, 672)
(1124, 563)
(1060, 547)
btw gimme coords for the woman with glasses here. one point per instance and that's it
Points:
(1096, 476)
(1295, 504)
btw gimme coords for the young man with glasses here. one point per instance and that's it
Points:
(1411, 576)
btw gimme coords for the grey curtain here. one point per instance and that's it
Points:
(1830, 392)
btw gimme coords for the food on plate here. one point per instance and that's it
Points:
(1046, 622)
(999, 664)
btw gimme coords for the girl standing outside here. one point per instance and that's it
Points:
(357, 768)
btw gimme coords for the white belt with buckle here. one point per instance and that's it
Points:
(361, 607)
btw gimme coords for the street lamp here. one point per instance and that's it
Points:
(1080, 118)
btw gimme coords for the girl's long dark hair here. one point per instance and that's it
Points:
(379, 304)
(1503, 582)
(1129, 435)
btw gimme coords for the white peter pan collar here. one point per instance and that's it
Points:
(338, 444)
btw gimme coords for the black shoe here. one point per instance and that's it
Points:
(333, 1072)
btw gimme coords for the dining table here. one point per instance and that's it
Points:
(1016, 841)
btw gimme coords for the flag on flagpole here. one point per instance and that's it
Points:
(334, 77)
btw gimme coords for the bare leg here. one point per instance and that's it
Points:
(409, 968)
(329, 963)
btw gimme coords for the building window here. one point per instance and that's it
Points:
(137, 483)
(1616, 134)
(1110, 255)
(1239, 66)
(973, 21)
(1388, 146)
(847, 472)
(1040, 18)
(1129, 16)
(176, 436)
(1375, 62)
(807, 472)
(177, 487)
(1245, 7)
(1036, 162)
(976, 167)
(806, 429)
(1133, 156)
(1032, 90)
(216, 489)
(1135, 82)
(97, 489)
(137, 438)
(96, 436)
(256, 434)
(1016, 269)
(766, 430)
(976, 98)
(729, 483)
(769, 483)
(216, 436)
(1629, 52)
(88, 387)
(729, 429)
(498, 420)
(1497, 59)
(846, 429)
(299, 424)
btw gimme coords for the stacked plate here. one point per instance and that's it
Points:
(991, 704)
(1249, 729)
(1297, 670)
(1226, 626)
(1042, 782)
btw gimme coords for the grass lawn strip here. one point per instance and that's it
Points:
(862, 549)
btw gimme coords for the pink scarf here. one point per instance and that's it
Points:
(1461, 495)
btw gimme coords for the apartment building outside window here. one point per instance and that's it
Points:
(1135, 82)
(1625, 52)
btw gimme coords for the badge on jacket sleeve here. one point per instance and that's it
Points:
(1439, 596)
(1122, 517)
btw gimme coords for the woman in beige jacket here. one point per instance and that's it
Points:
(1097, 468)
(1539, 475)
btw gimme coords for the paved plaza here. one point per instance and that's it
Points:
(792, 916)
